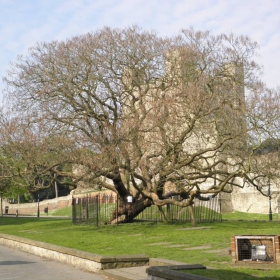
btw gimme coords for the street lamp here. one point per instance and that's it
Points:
(38, 212)
(269, 202)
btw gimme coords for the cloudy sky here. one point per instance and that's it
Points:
(25, 22)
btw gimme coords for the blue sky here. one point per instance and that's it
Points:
(25, 22)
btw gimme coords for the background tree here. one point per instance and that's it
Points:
(263, 135)
(27, 161)
(142, 115)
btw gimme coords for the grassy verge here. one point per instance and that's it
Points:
(207, 244)
(248, 216)
(63, 212)
(233, 216)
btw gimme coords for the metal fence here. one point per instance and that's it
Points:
(98, 210)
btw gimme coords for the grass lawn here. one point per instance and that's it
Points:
(63, 212)
(241, 216)
(208, 244)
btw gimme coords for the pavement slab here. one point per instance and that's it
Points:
(128, 273)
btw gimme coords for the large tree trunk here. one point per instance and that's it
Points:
(126, 212)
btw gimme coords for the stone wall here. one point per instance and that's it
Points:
(32, 208)
(242, 200)
(251, 201)
(83, 260)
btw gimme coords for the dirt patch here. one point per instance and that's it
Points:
(193, 228)
(220, 252)
(176, 246)
(30, 230)
(159, 243)
(198, 248)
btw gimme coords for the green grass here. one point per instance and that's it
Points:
(208, 244)
(64, 212)
(247, 216)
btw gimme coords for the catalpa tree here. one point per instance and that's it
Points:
(141, 115)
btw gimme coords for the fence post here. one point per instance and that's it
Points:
(97, 212)
(73, 210)
(87, 201)
(117, 208)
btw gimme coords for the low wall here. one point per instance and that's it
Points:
(242, 200)
(32, 208)
(175, 272)
(83, 260)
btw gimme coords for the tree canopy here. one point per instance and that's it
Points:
(142, 115)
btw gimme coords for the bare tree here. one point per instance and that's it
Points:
(149, 117)
(263, 135)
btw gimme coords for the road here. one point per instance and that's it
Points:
(15, 264)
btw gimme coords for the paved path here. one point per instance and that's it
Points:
(15, 264)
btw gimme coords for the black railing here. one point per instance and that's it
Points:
(98, 210)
